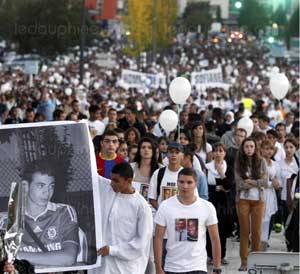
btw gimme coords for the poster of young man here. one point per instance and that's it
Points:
(54, 161)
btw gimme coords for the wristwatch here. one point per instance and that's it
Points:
(217, 270)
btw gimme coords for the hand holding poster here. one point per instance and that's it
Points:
(62, 228)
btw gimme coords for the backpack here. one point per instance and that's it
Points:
(160, 175)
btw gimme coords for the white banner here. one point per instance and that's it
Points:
(139, 80)
(209, 78)
(106, 60)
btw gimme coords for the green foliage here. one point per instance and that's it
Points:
(197, 14)
(279, 16)
(47, 27)
(253, 16)
(293, 25)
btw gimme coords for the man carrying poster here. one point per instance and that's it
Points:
(126, 224)
(51, 229)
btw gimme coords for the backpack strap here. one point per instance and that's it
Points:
(160, 175)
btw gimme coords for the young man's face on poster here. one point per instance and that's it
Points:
(41, 189)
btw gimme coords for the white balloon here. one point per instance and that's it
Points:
(179, 90)
(96, 85)
(279, 85)
(258, 87)
(168, 119)
(275, 70)
(247, 124)
(68, 91)
(51, 79)
(44, 68)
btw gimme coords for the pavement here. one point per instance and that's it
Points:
(276, 243)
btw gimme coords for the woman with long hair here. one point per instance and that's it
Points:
(267, 150)
(132, 136)
(144, 165)
(288, 166)
(204, 149)
(251, 177)
(145, 161)
(218, 194)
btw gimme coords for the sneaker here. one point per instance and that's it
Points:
(224, 261)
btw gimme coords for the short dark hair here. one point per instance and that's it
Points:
(188, 172)
(123, 169)
(273, 133)
(93, 108)
(109, 133)
(41, 166)
(264, 118)
(57, 113)
(280, 124)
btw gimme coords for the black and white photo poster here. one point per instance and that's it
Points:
(55, 162)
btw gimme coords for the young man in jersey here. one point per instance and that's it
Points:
(51, 229)
(186, 254)
(127, 225)
(108, 157)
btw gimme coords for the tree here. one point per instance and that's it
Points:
(279, 16)
(46, 27)
(253, 16)
(196, 14)
(140, 23)
(293, 25)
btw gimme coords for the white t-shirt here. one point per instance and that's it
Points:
(186, 227)
(97, 125)
(285, 172)
(168, 186)
(203, 154)
(280, 153)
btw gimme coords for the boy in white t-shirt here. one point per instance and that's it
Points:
(186, 217)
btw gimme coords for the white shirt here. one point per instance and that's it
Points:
(212, 173)
(127, 226)
(186, 251)
(280, 153)
(168, 185)
(97, 125)
(283, 173)
(203, 154)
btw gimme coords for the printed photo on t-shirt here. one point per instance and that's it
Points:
(192, 230)
(186, 230)
(144, 191)
(180, 230)
(168, 192)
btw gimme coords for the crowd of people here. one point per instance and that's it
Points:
(208, 164)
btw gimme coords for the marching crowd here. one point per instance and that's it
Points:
(208, 174)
